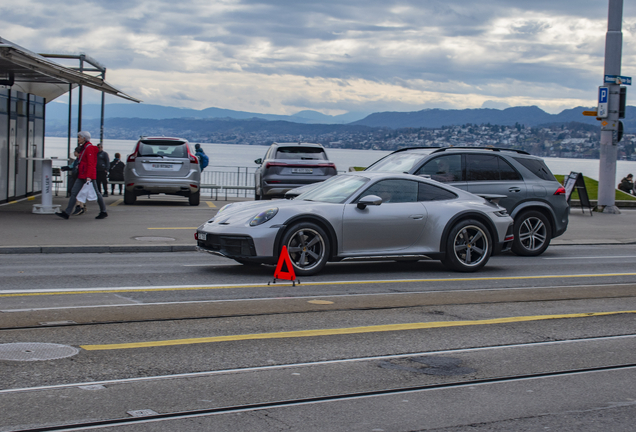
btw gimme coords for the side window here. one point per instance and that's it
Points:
(429, 192)
(394, 191)
(482, 167)
(443, 169)
(506, 171)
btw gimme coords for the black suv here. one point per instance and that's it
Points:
(534, 198)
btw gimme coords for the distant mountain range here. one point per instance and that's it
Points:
(56, 111)
(119, 115)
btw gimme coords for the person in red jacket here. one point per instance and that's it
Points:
(87, 172)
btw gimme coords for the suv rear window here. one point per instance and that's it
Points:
(303, 153)
(537, 167)
(163, 148)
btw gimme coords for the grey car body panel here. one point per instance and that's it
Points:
(389, 229)
(176, 180)
(530, 193)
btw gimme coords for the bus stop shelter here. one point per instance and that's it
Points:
(28, 81)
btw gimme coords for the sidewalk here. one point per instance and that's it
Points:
(167, 224)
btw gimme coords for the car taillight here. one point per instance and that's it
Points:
(560, 191)
(193, 159)
(133, 156)
(328, 165)
(274, 164)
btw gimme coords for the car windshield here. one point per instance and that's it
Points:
(301, 153)
(335, 190)
(402, 162)
(163, 148)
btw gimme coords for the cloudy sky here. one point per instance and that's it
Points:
(333, 56)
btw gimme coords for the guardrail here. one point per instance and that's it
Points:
(230, 181)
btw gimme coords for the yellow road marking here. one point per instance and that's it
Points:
(119, 201)
(320, 302)
(31, 198)
(210, 204)
(346, 330)
(306, 284)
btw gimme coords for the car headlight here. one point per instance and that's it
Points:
(501, 213)
(263, 216)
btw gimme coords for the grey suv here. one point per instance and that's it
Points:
(534, 198)
(162, 165)
(290, 165)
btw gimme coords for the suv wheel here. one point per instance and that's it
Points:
(468, 246)
(129, 197)
(532, 234)
(194, 198)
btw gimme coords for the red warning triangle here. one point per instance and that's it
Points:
(284, 259)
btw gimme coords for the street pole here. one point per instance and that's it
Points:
(609, 128)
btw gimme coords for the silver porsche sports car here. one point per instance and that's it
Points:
(363, 215)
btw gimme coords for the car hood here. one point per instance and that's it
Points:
(243, 212)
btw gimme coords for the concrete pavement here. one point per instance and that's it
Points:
(167, 224)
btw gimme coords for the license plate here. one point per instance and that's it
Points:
(302, 170)
(162, 166)
(202, 236)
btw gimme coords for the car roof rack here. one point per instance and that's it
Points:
(496, 149)
(416, 148)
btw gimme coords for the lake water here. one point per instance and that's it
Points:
(235, 155)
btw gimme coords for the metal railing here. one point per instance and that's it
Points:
(230, 181)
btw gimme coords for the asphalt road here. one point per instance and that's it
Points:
(538, 343)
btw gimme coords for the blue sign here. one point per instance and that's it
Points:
(617, 79)
(603, 92)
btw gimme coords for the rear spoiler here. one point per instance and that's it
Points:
(492, 197)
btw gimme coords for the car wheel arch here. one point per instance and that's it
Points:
(539, 206)
(315, 219)
(485, 220)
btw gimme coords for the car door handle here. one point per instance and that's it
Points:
(417, 217)
(514, 189)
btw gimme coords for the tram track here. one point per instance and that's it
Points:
(257, 406)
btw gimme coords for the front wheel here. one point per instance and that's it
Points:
(468, 247)
(532, 234)
(308, 248)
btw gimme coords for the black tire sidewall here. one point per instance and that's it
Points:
(451, 260)
(517, 247)
(327, 242)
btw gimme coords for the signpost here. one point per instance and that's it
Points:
(603, 102)
(617, 79)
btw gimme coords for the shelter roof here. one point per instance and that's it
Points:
(35, 74)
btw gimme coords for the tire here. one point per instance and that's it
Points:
(257, 195)
(129, 197)
(308, 248)
(532, 233)
(468, 246)
(195, 198)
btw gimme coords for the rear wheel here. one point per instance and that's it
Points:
(195, 198)
(308, 248)
(129, 197)
(468, 246)
(532, 234)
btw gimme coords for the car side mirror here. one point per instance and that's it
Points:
(368, 200)
(258, 161)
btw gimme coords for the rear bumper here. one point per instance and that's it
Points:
(155, 185)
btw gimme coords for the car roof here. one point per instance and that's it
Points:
(297, 144)
(143, 138)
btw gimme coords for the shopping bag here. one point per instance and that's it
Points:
(87, 193)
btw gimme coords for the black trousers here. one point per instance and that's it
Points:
(102, 182)
(112, 188)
